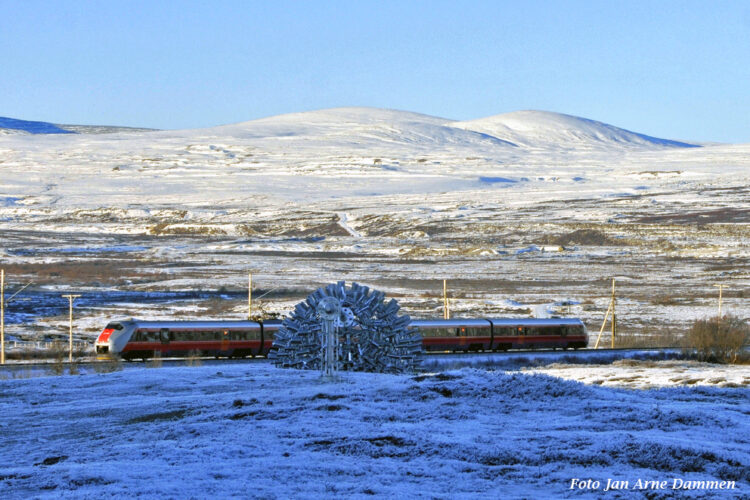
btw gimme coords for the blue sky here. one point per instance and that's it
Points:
(673, 69)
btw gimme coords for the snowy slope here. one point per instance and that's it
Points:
(358, 127)
(13, 126)
(249, 430)
(355, 154)
(543, 129)
(31, 127)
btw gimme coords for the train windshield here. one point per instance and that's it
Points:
(113, 326)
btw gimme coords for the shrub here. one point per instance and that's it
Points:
(155, 361)
(662, 337)
(719, 339)
(590, 237)
(108, 366)
(193, 358)
(57, 353)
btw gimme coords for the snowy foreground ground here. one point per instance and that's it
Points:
(251, 430)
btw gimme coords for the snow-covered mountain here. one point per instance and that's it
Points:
(358, 127)
(360, 154)
(528, 129)
(543, 129)
(354, 126)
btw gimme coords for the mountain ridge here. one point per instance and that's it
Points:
(529, 129)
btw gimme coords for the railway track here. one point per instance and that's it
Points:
(466, 358)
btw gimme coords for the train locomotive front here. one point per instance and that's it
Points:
(114, 338)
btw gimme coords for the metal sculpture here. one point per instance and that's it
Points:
(369, 333)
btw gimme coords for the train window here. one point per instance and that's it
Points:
(113, 326)
(438, 332)
(503, 332)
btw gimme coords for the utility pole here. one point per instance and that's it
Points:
(2, 316)
(446, 312)
(70, 298)
(614, 316)
(249, 295)
(610, 309)
(721, 288)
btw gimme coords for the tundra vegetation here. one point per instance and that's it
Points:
(721, 340)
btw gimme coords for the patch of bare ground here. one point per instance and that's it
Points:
(721, 215)
(640, 363)
(95, 271)
(295, 225)
(665, 300)
(590, 237)
(165, 228)
(382, 225)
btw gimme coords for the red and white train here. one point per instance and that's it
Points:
(137, 339)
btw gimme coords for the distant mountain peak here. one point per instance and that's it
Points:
(534, 128)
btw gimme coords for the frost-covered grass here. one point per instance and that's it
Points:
(648, 374)
(517, 360)
(251, 430)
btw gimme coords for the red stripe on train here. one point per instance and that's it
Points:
(104, 336)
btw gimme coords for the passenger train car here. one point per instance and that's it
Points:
(133, 338)
(136, 339)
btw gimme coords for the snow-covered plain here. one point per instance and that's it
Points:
(520, 212)
(251, 430)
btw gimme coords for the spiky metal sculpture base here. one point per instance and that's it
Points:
(371, 335)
